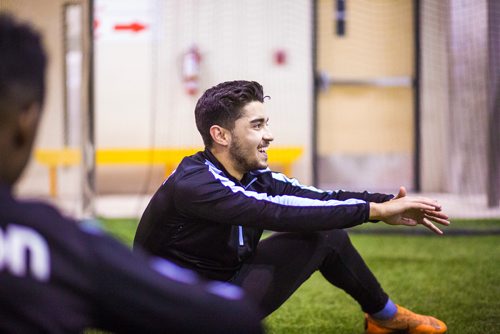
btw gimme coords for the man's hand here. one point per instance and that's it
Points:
(410, 211)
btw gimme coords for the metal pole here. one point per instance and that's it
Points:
(416, 98)
(493, 181)
(315, 88)
(88, 143)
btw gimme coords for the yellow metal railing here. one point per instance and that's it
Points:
(279, 157)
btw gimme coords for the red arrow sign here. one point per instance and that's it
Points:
(134, 26)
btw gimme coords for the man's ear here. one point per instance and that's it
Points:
(27, 123)
(220, 135)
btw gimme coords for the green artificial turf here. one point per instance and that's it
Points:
(456, 278)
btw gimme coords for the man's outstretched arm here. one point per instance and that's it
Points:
(410, 211)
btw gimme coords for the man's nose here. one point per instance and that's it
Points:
(268, 136)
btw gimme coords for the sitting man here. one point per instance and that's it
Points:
(57, 276)
(209, 215)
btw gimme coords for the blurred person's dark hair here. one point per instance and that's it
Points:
(22, 66)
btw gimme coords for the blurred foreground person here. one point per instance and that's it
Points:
(57, 276)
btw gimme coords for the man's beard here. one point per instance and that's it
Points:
(245, 161)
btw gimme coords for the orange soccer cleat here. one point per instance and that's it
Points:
(405, 322)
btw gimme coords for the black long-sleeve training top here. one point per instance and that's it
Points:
(204, 219)
(57, 276)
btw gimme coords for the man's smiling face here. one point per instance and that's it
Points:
(250, 139)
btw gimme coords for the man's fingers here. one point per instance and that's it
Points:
(437, 214)
(430, 202)
(421, 206)
(427, 223)
(437, 219)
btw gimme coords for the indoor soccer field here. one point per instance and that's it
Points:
(366, 95)
(454, 277)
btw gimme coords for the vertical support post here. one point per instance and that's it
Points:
(315, 87)
(53, 180)
(493, 69)
(416, 96)
(88, 144)
(340, 17)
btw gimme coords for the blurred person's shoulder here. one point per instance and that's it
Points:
(38, 215)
